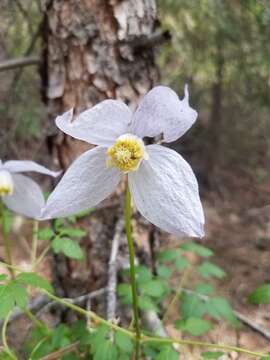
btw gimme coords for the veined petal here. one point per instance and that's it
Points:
(86, 183)
(16, 166)
(27, 198)
(165, 191)
(162, 112)
(100, 125)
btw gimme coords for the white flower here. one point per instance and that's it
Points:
(20, 193)
(163, 186)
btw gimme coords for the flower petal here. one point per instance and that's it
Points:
(15, 166)
(86, 183)
(100, 125)
(165, 191)
(27, 198)
(161, 112)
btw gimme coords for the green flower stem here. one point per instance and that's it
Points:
(6, 241)
(4, 338)
(128, 215)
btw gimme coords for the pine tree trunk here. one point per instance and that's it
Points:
(93, 50)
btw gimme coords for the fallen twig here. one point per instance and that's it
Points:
(112, 272)
(19, 62)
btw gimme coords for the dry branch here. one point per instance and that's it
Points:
(19, 63)
(112, 272)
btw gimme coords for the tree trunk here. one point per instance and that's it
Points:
(93, 50)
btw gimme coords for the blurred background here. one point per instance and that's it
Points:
(119, 49)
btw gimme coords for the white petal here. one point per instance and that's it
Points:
(15, 166)
(100, 125)
(86, 183)
(165, 191)
(161, 112)
(27, 198)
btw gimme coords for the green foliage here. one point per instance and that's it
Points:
(261, 295)
(194, 326)
(207, 269)
(197, 249)
(11, 294)
(167, 353)
(35, 280)
(68, 247)
(64, 238)
(212, 355)
(14, 293)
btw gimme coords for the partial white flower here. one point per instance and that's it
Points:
(162, 184)
(20, 193)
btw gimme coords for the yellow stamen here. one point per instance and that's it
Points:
(126, 153)
(6, 183)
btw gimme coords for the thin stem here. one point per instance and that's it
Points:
(32, 317)
(91, 314)
(4, 338)
(148, 339)
(34, 244)
(128, 214)
(42, 255)
(178, 292)
(6, 241)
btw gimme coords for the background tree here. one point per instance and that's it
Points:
(93, 50)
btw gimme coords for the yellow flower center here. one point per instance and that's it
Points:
(6, 183)
(126, 153)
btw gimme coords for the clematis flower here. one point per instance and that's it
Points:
(163, 186)
(20, 193)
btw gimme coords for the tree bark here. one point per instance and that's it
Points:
(93, 50)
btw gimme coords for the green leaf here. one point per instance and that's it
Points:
(68, 247)
(196, 326)
(164, 272)
(219, 307)
(97, 338)
(146, 303)
(153, 288)
(143, 274)
(204, 289)
(181, 263)
(46, 234)
(106, 351)
(197, 249)
(207, 269)
(192, 306)
(19, 294)
(123, 342)
(212, 354)
(11, 294)
(3, 277)
(261, 295)
(125, 292)
(73, 232)
(168, 255)
(167, 353)
(35, 280)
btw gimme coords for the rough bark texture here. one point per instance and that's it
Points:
(96, 49)
(93, 50)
